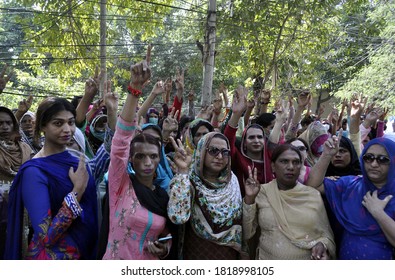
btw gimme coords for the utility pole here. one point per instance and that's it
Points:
(103, 49)
(209, 53)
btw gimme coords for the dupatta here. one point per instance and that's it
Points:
(301, 215)
(346, 198)
(217, 208)
(83, 230)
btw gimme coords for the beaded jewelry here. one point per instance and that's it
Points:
(134, 92)
(71, 201)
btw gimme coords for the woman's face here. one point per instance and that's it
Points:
(6, 126)
(202, 130)
(287, 169)
(301, 147)
(377, 172)
(342, 158)
(214, 164)
(100, 125)
(145, 159)
(153, 118)
(254, 140)
(27, 125)
(60, 129)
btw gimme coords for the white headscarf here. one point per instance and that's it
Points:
(80, 139)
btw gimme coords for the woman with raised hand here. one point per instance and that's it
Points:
(138, 215)
(58, 192)
(207, 200)
(291, 216)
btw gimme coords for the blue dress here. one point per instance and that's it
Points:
(362, 236)
(40, 186)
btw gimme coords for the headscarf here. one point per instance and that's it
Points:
(193, 128)
(149, 112)
(353, 168)
(315, 135)
(267, 172)
(163, 172)
(217, 207)
(80, 139)
(29, 113)
(301, 215)
(98, 135)
(13, 152)
(346, 199)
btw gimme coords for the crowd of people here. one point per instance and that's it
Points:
(237, 181)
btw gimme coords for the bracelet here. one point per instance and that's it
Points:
(71, 201)
(134, 92)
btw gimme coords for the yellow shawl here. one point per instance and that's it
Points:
(301, 215)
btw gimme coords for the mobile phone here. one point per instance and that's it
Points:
(164, 239)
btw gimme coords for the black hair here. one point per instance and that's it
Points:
(199, 124)
(144, 138)
(307, 120)
(49, 107)
(280, 149)
(265, 119)
(76, 100)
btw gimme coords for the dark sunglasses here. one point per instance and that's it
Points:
(381, 159)
(213, 151)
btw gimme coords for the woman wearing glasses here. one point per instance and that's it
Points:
(291, 216)
(362, 205)
(207, 200)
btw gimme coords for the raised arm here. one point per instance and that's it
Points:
(180, 202)
(317, 173)
(140, 74)
(91, 89)
(111, 102)
(191, 105)
(281, 118)
(239, 105)
(156, 90)
(252, 188)
(303, 101)
(180, 84)
(250, 107)
(23, 106)
(217, 110)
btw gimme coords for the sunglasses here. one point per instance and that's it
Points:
(213, 151)
(381, 159)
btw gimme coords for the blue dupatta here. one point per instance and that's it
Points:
(346, 195)
(83, 230)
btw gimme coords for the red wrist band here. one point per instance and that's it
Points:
(134, 92)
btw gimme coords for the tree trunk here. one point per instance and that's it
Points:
(209, 54)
